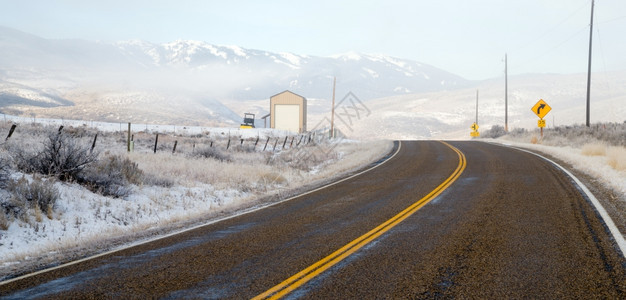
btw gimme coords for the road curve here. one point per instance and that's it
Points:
(511, 225)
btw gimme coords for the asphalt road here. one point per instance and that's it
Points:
(505, 224)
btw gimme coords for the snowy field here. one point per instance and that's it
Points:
(164, 189)
(148, 128)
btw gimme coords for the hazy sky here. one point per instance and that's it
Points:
(465, 37)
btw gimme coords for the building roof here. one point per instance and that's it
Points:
(287, 91)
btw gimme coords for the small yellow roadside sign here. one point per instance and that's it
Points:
(474, 127)
(541, 123)
(541, 108)
(474, 134)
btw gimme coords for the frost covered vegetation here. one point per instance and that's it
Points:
(607, 140)
(60, 194)
(611, 134)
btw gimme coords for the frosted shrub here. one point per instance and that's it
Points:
(213, 152)
(306, 158)
(161, 181)
(37, 194)
(112, 176)
(61, 156)
(4, 221)
(495, 132)
(4, 172)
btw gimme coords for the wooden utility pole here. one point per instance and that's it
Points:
(332, 115)
(506, 95)
(589, 65)
(476, 107)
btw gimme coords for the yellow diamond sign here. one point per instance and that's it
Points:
(541, 109)
(474, 127)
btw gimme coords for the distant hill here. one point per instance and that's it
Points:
(196, 83)
(242, 73)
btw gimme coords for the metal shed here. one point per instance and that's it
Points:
(288, 112)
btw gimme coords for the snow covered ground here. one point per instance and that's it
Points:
(196, 190)
(150, 128)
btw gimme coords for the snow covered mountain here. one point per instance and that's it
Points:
(224, 71)
(263, 73)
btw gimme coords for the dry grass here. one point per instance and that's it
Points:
(534, 140)
(617, 158)
(594, 149)
(189, 171)
(4, 221)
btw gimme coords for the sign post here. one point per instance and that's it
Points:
(541, 109)
(474, 132)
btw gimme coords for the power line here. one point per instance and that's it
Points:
(611, 20)
(544, 53)
(533, 41)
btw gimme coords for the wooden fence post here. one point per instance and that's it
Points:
(156, 141)
(276, 142)
(175, 144)
(93, 145)
(228, 145)
(257, 141)
(284, 143)
(128, 140)
(268, 139)
(11, 131)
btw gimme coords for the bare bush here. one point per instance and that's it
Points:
(305, 158)
(61, 156)
(495, 132)
(212, 152)
(159, 181)
(36, 194)
(5, 222)
(4, 172)
(112, 176)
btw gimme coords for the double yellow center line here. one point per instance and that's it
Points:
(315, 269)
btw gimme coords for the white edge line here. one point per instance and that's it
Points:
(198, 226)
(617, 235)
